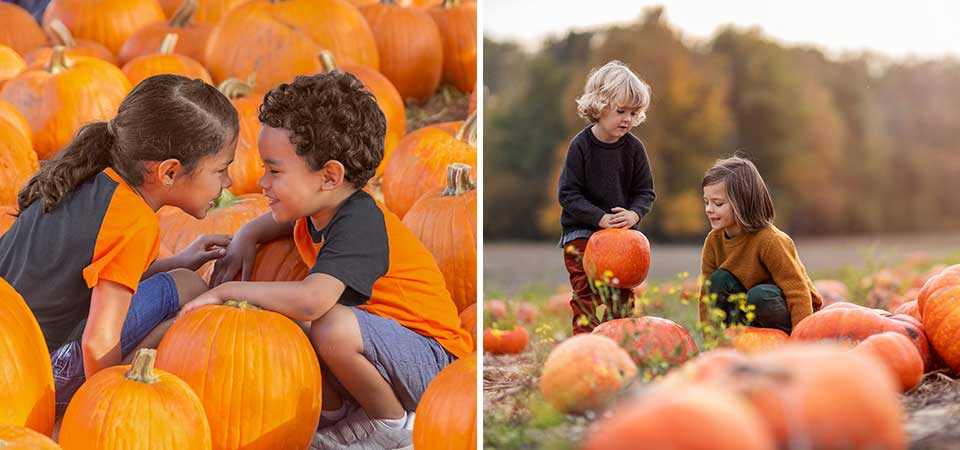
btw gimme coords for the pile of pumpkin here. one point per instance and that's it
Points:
(78, 67)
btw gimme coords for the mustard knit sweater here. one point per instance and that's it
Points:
(761, 257)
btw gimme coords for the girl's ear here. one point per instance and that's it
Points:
(167, 171)
(333, 173)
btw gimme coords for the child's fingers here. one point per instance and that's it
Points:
(216, 240)
(617, 209)
(247, 271)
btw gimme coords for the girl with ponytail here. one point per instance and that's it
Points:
(83, 250)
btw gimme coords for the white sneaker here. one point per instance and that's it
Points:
(409, 424)
(357, 431)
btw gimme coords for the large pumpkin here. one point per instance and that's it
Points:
(165, 61)
(60, 36)
(277, 260)
(688, 418)
(208, 11)
(18, 162)
(941, 320)
(457, 22)
(279, 39)
(135, 407)
(445, 220)
(585, 372)
(109, 22)
(420, 162)
(18, 30)
(898, 354)
(11, 64)
(617, 257)
(948, 277)
(411, 50)
(387, 96)
(58, 99)
(650, 339)
(26, 377)
(13, 437)
(192, 40)
(505, 342)
(447, 413)
(9, 114)
(255, 373)
(468, 321)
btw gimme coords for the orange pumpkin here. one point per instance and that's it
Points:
(898, 354)
(457, 22)
(9, 114)
(447, 412)
(505, 342)
(165, 61)
(18, 30)
(445, 220)
(585, 372)
(59, 98)
(704, 367)
(208, 11)
(948, 277)
(277, 260)
(279, 39)
(18, 162)
(11, 64)
(525, 313)
(60, 35)
(497, 308)
(691, 418)
(910, 309)
(26, 386)
(192, 40)
(255, 372)
(13, 437)
(135, 407)
(755, 339)
(468, 321)
(650, 338)
(387, 96)
(109, 22)
(411, 3)
(419, 163)
(7, 217)
(941, 320)
(617, 257)
(246, 169)
(411, 50)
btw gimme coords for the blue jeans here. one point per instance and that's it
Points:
(156, 300)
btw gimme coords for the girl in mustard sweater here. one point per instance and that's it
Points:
(744, 253)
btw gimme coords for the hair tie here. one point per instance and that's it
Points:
(110, 129)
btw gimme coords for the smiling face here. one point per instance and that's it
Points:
(615, 122)
(719, 209)
(292, 188)
(196, 191)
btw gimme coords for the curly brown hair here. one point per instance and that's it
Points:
(331, 116)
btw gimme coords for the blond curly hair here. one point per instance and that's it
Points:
(613, 85)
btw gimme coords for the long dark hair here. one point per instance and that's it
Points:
(163, 117)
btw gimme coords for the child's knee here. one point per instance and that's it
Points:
(762, 294)
(721, 280)
(335, 331)
(189, 284)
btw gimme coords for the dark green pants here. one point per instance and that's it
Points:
(769, 305)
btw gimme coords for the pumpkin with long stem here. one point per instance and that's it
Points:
(411, 51)
(447, 413)
(60, 35)
(192, 40)
(457, 22)
(109, 22)
(18, 30)
(165, 61)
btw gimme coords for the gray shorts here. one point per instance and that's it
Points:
(407, 360)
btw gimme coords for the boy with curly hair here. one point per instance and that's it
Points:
(381, 319)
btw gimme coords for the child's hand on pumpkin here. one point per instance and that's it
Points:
(203, 249)
(210, 297)
(623, 218)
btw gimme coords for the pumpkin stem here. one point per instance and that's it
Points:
(447, 4)
(242, 304)
(184, 14)
(389, 2)
(142, 368)
(58, 60)
(169, 44)
(226, 199)
(468, 132)
(328, 62)
(59, 34)
(458, 180)
(234, 88)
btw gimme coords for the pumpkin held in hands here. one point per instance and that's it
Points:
(617, 257)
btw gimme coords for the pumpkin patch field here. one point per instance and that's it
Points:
(252, 380)
(876, 368)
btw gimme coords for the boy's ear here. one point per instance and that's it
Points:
(333, 173)
(168, 170)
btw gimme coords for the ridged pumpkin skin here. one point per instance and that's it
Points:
(60, 35)
(419, 163)
(276, 260)
(585, 372)
(650, 338)
(255, 373)
(191, 42)
(9, 114)
(13, 437)
(18, 162)
(688, 418)
(457, 22)
(11, 64)
(246, 168)
(468, 321)
(910, 309)
(59, 99)
(617, 257)
(208, 11)
(948, 277)
(898, 354)
(18, 30)
(447, 413)
(755, 339)
(941, 320)
(279, 39)
(135, 407)
(505, 342)
(445, 220)
(411, 50)
(26, 376)
(109, 22)
(165, 61)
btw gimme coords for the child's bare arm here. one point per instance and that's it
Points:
(305, 300)
(242, 250)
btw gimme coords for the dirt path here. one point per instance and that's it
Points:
(509, 266)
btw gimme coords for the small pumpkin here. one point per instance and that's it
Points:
(61, 36)
(109, 22)
(585, 372)
(410, 46)
(898, 354)
(650, 338)
(468, 321)
(26, 386)
(497, 308)
(755, 339)
(14, 437)
(526, 313)
(11, 64)
(617, 257)
(192, 36)
(135, 407)
(419, 163)
(165, 61)
(240, 359)
(445, 220)
(505, 342)
(18, 30)
(18, 162)
(457, 22)
(447, 412)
